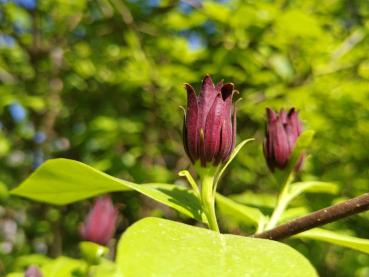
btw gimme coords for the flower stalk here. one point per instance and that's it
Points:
(283, 201)
(208, 201)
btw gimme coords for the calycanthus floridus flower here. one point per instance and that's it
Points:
(209, 131)
(282, 132)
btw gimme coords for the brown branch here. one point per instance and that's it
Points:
(332, 213)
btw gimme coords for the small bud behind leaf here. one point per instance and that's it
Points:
(101, 221)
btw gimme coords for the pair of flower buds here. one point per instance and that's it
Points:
(209, 136)
(209, 129)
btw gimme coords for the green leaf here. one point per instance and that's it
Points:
(27, 260)
(63, 181)
(105, 269)
(159, 247)
(312, 186)
(239, 212)
(335, 238)
(265, 200)
(233, 155)
(176, 197)
(92, 252)
(64, 266)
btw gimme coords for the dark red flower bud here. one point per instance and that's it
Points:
(32, 271)
(101, 221)
(282, 131)
(209, 129)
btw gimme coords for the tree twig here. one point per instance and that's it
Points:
(332, 213)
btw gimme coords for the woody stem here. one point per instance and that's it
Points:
(329, 214)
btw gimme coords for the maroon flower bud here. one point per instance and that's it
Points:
(282, 131)
(101, 221)
(32, 271)
(209, 129)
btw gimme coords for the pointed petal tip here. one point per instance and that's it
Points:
(228, 86)
(227, 90)
(187, 85)
(207, 80)
(271, 115)
(292, 111)
(189, 89)
(219, 86)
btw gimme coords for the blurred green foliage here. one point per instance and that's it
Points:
(101, 81)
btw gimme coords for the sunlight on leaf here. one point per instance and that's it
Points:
(169, 248)
(63, 181)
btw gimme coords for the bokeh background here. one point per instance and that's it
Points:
(101, 81)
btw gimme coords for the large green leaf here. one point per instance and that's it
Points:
(158, 247)
(335, 238)
(63, 181)
(239, 212)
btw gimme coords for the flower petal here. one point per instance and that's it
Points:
(184, 138)
(279, 142)
(234, 131)
(271, 116)
(192, 123)
(228, 133)
(219, 86)
(206, 100)
(213, 127)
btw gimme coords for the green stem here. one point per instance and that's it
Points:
(283, 200)
(261, 224)
(208, 201)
